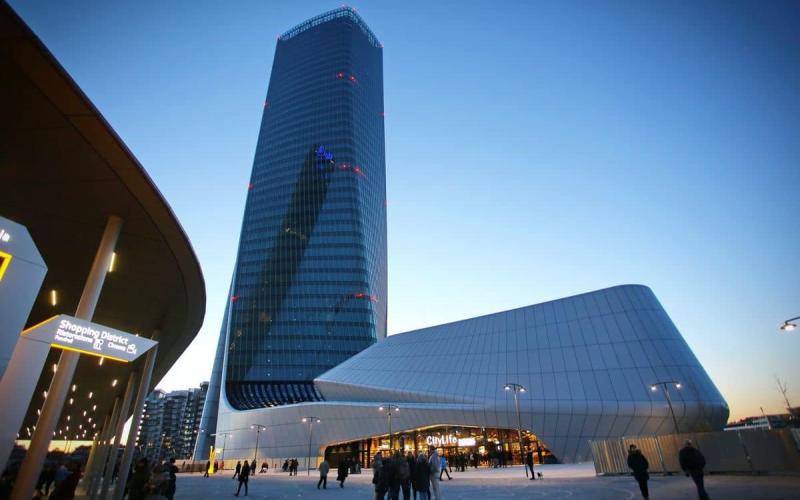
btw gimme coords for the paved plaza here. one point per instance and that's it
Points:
(575, 482)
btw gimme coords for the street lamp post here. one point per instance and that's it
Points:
(389, 408)
(310, 421)
(258, 428)
(788, 326)
(664, 387)
(224, 440)
(518, 389)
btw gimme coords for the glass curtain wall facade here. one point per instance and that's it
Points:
(309, 287)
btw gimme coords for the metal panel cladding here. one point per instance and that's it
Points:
(310, 280)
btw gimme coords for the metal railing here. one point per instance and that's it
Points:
(745, 451)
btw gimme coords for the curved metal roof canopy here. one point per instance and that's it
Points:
(63, 172)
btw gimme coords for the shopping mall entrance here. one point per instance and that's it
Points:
(464, 447)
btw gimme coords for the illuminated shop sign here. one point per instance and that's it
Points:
(450, 440)
(85, 337)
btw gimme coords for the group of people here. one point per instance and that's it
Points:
(420, 475)
(158, 481)
(290, 465)
(243, 472)
(692, 462)
(341, 472)
(63, 478)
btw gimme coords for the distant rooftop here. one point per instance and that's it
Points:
(348, 12)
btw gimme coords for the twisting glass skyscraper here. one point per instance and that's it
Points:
(309, 287)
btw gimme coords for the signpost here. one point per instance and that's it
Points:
(22, 272)
(73, 334)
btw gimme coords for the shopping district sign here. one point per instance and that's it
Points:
(73, 334)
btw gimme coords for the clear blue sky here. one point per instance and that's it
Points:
(534, 150)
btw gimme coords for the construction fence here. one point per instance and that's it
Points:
(744, 451)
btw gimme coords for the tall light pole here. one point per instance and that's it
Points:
(389, 408)
(518, 389)
(310, 421)
(224, 440)
(664, 387)
(258, 428)
(788, 326)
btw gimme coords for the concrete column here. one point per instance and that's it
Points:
(92, 452)
(102, 452)
(62, 380)
(102, 466)
(91, 464)
(141, 396)
(117, 437)
(17, 385)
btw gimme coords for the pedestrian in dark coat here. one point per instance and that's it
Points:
(342, 471)
(208, 466)
(393, 475)
(529, 463)
(66, 488)
(378, 477)
(138, 483)
(693, 462)
(410, 462)
(638, 464)
(172, 483)
(238, 469)
(422, 477)
(244, 476)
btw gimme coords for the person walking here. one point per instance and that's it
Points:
(378, 477)
(422, 477)
(323, 468)
(693, 462)
(436, 471)
(638, 464)
(342, 471)
(529, 463)
(208, 466)
(237, 470)
(244, 476)
(443, 468)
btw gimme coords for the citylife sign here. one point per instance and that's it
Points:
(450, 440)
(85, 337)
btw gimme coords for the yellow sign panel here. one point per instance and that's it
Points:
(5, 260)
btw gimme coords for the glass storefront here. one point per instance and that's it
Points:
(464, 447)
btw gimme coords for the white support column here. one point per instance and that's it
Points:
(91, 465)
(17, 387)
(102, 453)
(141, 396)
(90, 460)
(62, 380)
(117, 437)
